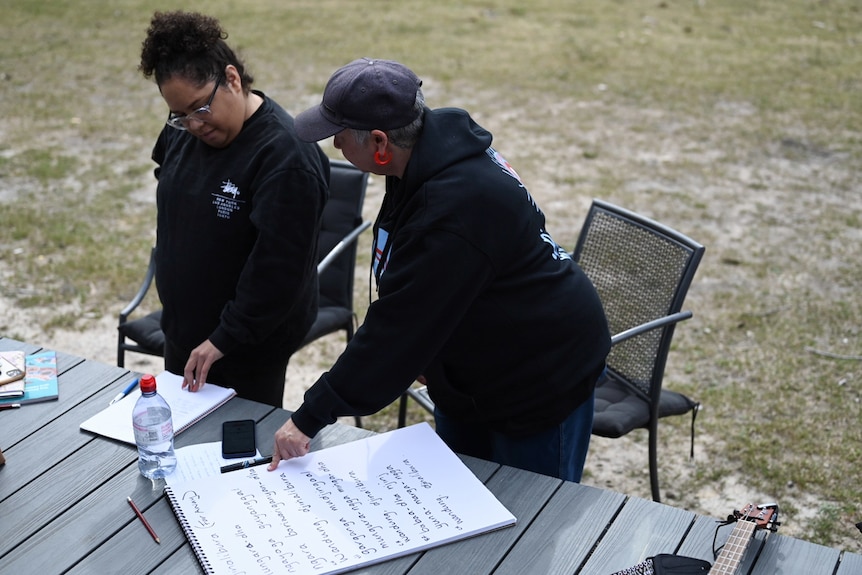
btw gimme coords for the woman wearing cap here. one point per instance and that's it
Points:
(239, 202)
(475, 298)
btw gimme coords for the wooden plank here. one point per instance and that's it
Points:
(51, 440)
(642, 529)
(9, 344)
(783, 554)
(561, 537)
(851, 564)
(44, 505)
(181, 562)
(133, 547)
(699, 540)
(77, 381)
(482, 469)
(753, 551)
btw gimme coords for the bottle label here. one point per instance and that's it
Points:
(147, 435)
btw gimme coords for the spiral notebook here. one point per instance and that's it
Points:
(337, 509)
(187, 408)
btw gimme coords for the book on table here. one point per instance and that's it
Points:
(187, 408)
(337, 509)
(11, 374)
(40, 380)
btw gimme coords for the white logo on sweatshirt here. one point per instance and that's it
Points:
(558, 252)
(226, 202)
(229, 187)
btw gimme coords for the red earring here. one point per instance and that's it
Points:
(382, 160)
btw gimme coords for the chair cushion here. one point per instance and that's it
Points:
(329, 319)
(673, 403)
(146, 332)
(618, 411)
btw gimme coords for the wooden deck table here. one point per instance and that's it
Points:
(63, 505)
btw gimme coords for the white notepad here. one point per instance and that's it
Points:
(337, 509)
(187, 408)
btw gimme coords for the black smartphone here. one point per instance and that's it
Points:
(238, 439)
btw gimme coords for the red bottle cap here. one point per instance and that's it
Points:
(148, 384)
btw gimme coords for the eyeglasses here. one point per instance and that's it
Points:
(200, 115)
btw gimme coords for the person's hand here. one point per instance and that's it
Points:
(290, 442)
(198, 366)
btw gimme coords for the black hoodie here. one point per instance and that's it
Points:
(473, 294)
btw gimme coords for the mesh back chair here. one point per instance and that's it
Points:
(642, 271)
(341, 225)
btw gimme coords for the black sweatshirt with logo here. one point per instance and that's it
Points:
(236, 248)
(473, 293)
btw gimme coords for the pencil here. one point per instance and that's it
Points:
(143, 520)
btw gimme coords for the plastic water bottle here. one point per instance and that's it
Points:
(154, 432)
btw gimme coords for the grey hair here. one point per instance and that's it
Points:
(406, 136)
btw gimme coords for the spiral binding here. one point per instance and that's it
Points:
(193, 541)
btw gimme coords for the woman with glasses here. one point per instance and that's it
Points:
(239, 202)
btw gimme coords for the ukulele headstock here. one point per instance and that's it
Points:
(764, 516)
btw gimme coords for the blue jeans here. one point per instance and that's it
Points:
(559, 451)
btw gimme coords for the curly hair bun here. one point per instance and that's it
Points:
(179, 42)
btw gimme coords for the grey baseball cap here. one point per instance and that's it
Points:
(363, 95)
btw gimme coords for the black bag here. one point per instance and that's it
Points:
(666, 564)
(678, 565)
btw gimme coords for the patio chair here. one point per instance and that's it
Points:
(341, 225)
(642, 271)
